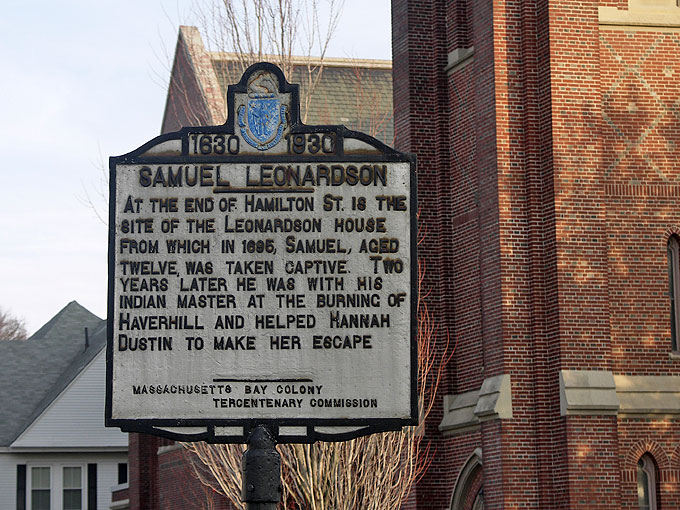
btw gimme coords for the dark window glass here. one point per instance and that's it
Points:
(646, 483)
(674, 288)
(40, 488)
(122, 472)
(72, 488)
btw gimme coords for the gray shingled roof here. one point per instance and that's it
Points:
(34, 371)
(360, 97)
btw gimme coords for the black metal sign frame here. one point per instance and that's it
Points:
(381, 153)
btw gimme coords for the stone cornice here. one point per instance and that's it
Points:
(589, 392)
(663, 14)
(582, 392)
(465, 411)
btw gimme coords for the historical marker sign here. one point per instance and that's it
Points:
(263, 271)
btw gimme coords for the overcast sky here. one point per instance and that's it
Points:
(82, 81)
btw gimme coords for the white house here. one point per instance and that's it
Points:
(55, 453)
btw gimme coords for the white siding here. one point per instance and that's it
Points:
(8, 480)
(107, 472)
(107, 477)
(76, 417)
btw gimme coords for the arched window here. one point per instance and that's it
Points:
(674, 288)
(468, 493)
(646, 483)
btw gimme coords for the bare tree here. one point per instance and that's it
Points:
(374, 472)
(11, 328)
(289, 33)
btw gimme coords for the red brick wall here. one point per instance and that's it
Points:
(594, 472)
(659, 438)
(560, 183)
(421, 126)
(180, 489)
(185, 104)
(641, 140)
(579, 188)
(166, 481)
(143, 471)
(640, 134)
(532, 442)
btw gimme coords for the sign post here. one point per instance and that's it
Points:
(262, 279)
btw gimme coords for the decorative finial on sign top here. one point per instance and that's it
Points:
(265, 105)
(262, 85)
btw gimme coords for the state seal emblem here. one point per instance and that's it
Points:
(263, 118)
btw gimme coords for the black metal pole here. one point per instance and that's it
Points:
(261, 470)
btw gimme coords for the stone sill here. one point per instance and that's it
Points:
(459, 58)
(120, 505)
(169, 448)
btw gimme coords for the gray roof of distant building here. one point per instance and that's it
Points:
(355, 93)
(35, 371)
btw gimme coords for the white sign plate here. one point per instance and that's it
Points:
(262, 272)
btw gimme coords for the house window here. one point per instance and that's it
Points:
(56, 487)
(72, 488)
(646, 483)
(674, 288)
(41, 484)
(122, 473)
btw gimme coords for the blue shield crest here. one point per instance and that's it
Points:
(263, 118)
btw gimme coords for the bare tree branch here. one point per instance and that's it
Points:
(374, 472)
(11, 328)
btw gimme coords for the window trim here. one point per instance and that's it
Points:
(29, 483)
(56, 482)
(83, 484)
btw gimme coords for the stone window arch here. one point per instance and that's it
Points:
(468, 492)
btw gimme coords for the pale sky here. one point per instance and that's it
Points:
(83, 80)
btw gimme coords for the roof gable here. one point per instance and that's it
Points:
(30, 369)
(74, 418)
(353, 92)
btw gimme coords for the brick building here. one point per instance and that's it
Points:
(547, 139)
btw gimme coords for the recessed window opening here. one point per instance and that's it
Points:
(646, 483)
(674, 288)
(122, 472)
(468, 492)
